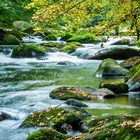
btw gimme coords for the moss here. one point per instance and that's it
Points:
(64, 93)
(50, 37)
(71, 47)
(85, 39)
(27, 50)
(11, 40)
(66, 36)
(47, 134)
(115, 87)
(55, 117)
(53, 45)
(138, 43)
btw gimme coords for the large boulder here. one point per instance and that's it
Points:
(87, 93)
(10, 40)
(116, 87)
(133, 78)
(122, 42)
(28, 50)
(121, 53)
(56, 118)
(129, 63)
(110, 67)
(47, 134)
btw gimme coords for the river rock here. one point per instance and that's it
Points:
(47, 134)
(133, 78)
(110, 67)
(129, 63)
(122, 42)
(66, 63)
(74, 102)
(56, 117)
(10, 40)
(121, 53)
(28, 50)
(116, 87)
(108, 94)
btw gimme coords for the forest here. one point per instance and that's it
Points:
(69, 69)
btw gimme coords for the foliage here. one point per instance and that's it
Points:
(138, 43)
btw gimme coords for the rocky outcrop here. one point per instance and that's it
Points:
(121, 53)
(129, 63)
(110, 67)
(133, 78)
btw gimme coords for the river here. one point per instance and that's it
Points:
(25, 84)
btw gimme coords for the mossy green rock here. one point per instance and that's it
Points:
(55, 117)
(133, 78)
(28, 50)
(85, 39)
(111, 128)
(47, 134)
(11, 40)
(122, 42)
(116, 87)
(65, 93)
(71, 47)
(129, 63)
(138, 43)
(66, 36)
(50, 37)
(110, 67)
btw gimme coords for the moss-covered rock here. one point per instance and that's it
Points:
(112, 127)
(28, 50)
(50, 37)
(56, 117)
(10, 40)
(122, 42)
(71, 47)
(65, 93)
(85, 39)
(110, 67)
(47, 134)
(138, 43)
(23, 26)
(66, 36)
(116, 87)
(129, 63)
(133, 78)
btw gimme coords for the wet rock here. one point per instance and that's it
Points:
(74, 102)
(129, 63)
(108, 94)
(121, 53)
(65, 93)
(10, 40)
(85, 39)
(133, 78)
(47, 134)
(28, 50)
(50, 37)
(56, 117)
(122, 42)
(66, 63)
(110, 67)
(116, 87)
(66, 36)
(4, 115)
(71, 47)
(110, 127)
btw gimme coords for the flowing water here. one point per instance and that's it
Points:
(25, 85)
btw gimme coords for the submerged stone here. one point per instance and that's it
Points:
(47, 134)
(110, 67)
